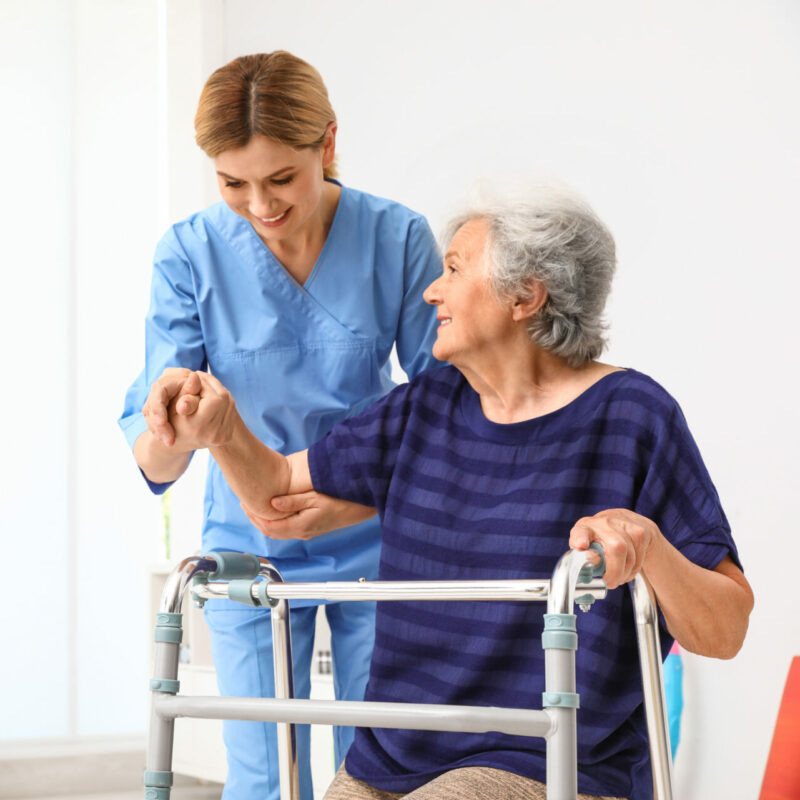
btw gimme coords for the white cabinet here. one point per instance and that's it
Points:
(199, 750)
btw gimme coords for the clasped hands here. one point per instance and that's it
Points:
(188, 410)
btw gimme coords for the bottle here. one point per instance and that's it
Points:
(324, 662)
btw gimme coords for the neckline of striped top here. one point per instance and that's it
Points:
(539, 427)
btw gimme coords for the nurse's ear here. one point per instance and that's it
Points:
(329, 145)
(523, 308)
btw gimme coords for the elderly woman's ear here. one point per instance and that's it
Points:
(525, 307)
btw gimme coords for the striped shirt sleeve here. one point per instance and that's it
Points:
(679, 495)
(356, 459)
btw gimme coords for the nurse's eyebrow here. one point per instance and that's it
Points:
(269, 177)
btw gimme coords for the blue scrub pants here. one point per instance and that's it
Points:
(241, 645)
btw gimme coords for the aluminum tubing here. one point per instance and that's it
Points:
(655, 703)
(340, 591)
(409, 716)
(161, 733)
(562, 757)
(180, 577)
(284, 690)
(413, 590)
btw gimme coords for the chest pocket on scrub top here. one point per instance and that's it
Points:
(291, 395)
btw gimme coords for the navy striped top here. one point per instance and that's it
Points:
(461, 497)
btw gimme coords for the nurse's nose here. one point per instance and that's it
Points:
(260, 204)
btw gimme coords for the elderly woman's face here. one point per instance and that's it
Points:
(472, 321)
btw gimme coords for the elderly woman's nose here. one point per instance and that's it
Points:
(431, 294)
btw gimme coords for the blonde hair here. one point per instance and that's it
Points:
(272, 94)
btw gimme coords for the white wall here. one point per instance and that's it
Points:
(679, 121)
(114, 201)
(79, 226)
(35, 138)
(99, 158)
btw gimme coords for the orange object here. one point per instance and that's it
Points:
(782, 775)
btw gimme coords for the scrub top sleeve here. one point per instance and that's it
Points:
(173, 335)
(416, 330)
(679, 496)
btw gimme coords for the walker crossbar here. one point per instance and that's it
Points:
(363, 714)
(399, 590)
(254, 581)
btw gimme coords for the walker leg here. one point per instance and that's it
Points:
(562, 760)
(655, 703)
(158, 766)
(284, 690)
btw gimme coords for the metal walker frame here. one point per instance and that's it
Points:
(255, 581)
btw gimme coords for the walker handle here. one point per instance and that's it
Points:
(233, 566)
(599, 569)
(587, 573)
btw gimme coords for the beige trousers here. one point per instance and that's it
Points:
(467, 783)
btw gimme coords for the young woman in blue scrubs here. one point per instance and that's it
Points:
(293, 291)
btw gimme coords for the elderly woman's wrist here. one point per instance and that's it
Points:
(658, 554)
(231, 435)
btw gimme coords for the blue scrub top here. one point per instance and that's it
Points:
(297, 359)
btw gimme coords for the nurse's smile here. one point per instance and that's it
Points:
(274, 222)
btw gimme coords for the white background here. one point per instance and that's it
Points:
(679, 121)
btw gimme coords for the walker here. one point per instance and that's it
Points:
(254, 581)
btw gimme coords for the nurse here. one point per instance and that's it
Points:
(292, 291)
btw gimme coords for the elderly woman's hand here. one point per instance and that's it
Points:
(626, 538)
(308, 514)
(202, 413)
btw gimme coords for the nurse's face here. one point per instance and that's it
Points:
(276, 188)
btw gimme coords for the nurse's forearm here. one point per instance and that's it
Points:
(160, 464)
(254, 472)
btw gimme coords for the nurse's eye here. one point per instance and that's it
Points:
(283, 181)
(234, 184)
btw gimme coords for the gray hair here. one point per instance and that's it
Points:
(555, 239)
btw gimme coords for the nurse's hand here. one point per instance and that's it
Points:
(156, 409)
(626, 537)
(308, 514)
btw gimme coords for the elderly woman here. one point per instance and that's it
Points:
(488, 468)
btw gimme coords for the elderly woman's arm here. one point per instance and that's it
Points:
(256, 474)
(205, 415)
(706, 610)
(275, 490)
